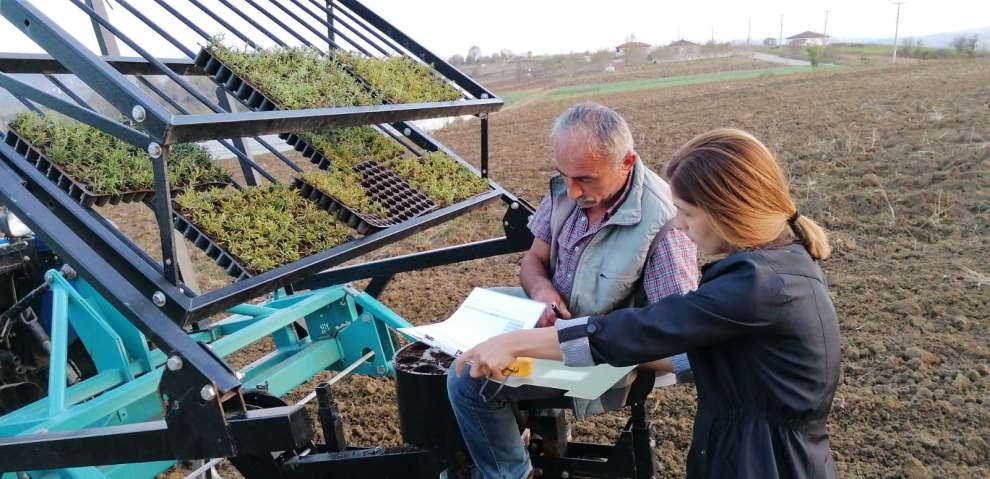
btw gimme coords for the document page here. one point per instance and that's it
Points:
(483, 314)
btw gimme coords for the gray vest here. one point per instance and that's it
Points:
(610, 269)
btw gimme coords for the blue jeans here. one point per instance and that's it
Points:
(489, 427)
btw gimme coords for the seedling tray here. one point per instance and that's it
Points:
(77, 190)
(252, 97)
(380, 184)
(230, 264)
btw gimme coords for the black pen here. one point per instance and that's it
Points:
(556, 310)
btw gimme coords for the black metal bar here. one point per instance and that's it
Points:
(90, 68)
(410, 262)
(185, 20)
(330, 22)
(255, 24)
(223, 298)
(484, 146)
(462, 80)
(349, 15)
(405, 462)
(40, 63)
(330, 419)
(27, 103)
(246, 170)
(259, 431)
(138, 269)
(68, 91)
(147, 21)
(313, 29)
(103, 38)
(106, 278)
(161, 67)
(163, 212)
(223, 23)
(188, 128)
(216, 108)
(377, 285)
(241, 157)
(90, 117)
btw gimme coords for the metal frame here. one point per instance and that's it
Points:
(148, 293)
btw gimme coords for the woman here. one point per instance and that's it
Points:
(760, 330)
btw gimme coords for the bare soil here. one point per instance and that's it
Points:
(893, 161)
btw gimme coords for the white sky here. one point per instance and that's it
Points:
(554, 26)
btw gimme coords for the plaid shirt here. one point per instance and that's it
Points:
(671, 266)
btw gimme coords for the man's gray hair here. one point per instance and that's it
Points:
(608, 132)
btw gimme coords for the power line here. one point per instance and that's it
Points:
(897, 24)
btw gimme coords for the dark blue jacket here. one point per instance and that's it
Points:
(763, 341)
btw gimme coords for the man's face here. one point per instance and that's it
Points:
(591, 179)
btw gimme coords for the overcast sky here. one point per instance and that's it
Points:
(552, 26)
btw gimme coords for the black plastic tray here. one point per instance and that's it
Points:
(211, 248)
(78, 190)
(381, 184)
(75, 189)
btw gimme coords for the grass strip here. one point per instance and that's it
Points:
(106, 164)
(439, 176)
(263, 227)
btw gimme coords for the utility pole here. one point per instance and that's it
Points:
(825, 33)
(780, 42)
(749, 31)
(897, 24)
(713, 34)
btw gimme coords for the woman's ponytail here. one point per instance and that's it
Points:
(813, 236)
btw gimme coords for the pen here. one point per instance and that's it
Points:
(556, 310)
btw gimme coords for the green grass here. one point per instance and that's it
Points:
(263, 227)
(108, 165)
(651, 83)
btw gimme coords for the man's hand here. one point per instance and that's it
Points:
(556, 308)
(534, 277)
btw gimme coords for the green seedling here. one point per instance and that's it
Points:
(263, 227)
(345, 187)
(294, 77)
(400, 79)
(346, 147)
(438, 176)
(108, 165)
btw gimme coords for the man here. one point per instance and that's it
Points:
(601, 242)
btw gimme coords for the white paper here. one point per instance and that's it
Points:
(580, 382)
(484, 314)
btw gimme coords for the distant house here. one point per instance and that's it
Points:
(811, 39)
(621, 49)
(682, 44)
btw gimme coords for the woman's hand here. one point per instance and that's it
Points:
(489, 358)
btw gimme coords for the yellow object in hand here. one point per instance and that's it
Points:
(520, 367)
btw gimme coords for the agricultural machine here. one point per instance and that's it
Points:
(112, 359)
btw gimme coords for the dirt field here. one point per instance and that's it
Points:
(894, 162)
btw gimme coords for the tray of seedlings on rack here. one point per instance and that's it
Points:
(250, 231)
(95, 168)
